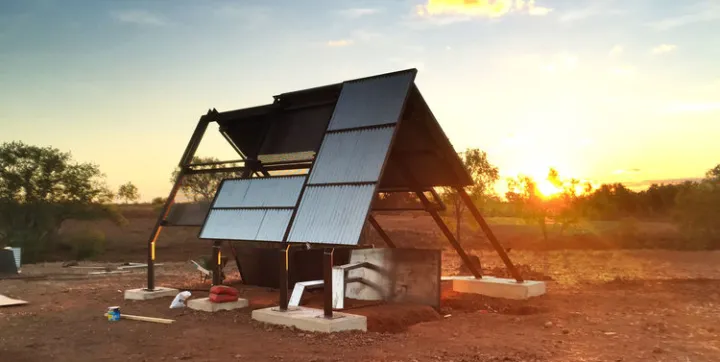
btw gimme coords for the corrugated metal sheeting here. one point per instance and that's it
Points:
(260, 192)
(353, 156)
(332, 214)
(371, 101)
(255, 224)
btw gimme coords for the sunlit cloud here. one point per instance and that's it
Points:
(626, 171)
(339, 43)
(459, 10)
(664, 48)
(616, 51)
(141, 17)
(359, 12)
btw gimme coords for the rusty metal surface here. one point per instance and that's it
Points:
(371, 101)
(253, 224)
(332, 214)
(354, 156)
(260, 192)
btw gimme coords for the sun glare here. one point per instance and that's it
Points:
(547, 189)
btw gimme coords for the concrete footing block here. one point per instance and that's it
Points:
(205, 305)
(499, 287)
(144, 294)
(311, 319)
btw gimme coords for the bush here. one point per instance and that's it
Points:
(87, 244)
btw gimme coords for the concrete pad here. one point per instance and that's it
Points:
(205, 305)
(499, 287)
(311, 319)
(144, 294)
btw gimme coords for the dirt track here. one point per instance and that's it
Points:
(612, 306)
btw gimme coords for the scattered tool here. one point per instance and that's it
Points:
(113, 314)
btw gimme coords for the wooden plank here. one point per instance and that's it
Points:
(146, 319)
(8, 302)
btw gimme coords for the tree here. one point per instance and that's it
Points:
(40, 188)
(202, 187)
(484, 175)
(697, 210)
(535, 208)
(128, 192)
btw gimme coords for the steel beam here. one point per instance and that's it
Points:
(328, 283)
(380, 231)
(490, 235)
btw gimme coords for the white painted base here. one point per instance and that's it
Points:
(498, 287)
(310, 319)
(144, 294)
(205, 305)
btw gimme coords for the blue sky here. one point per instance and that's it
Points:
(603, 90)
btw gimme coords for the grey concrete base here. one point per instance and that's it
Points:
(144, 294)
(498, 287)
(310, 319)
(205, 305)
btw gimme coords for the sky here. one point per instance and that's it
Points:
(602, 90)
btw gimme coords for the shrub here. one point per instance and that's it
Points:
(86, 244)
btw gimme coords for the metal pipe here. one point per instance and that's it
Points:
(284, 252)
(328, 283)
(217, 263)
(156, 231)
(490, 235)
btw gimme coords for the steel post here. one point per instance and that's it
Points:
(217, 263)
(328, 283)
(284, 261)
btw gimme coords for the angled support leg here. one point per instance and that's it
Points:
(490, 235)
(184, 162)
(380, 231)
(449, 235)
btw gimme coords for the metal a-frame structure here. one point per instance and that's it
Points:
(345, 143)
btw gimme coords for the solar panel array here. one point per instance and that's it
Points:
(343, 179)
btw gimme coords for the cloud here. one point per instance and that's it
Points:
(664, 48)
(141, 17)
(359, 12)
(461, 10)
(616, 51)
(339, 43)
(622, 71)
(596, 9)
(626, 171)
(562, 62)
(685, 107)
(705, 11)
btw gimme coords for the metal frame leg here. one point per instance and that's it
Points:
(490, 235)
(328, 283)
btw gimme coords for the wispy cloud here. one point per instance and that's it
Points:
(616, 51)
(339, 43)
(626, 171)
(705, 11)
(141, 17)
(596, 8)
(461, 10)
(561, 62)
(664, 48)
(359, 12)
(687, 107)
(623, 71)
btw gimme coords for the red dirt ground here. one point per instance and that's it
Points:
(600, 306)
